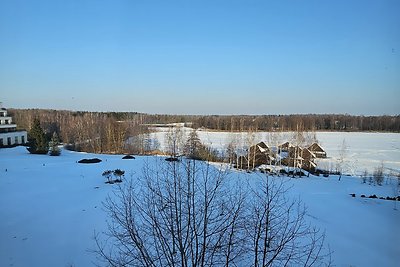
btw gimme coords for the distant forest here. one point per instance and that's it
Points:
(129, 132)
(307, 122)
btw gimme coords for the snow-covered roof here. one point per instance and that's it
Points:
(263, 150)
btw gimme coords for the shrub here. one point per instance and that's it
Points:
(128, 157)
(117, 173)
(172, 159)
(378, 175)
(94, 160)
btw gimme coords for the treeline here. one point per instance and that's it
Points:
(308, 122)
(108, 132)
(88, 131)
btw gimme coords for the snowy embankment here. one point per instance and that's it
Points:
(51, 206)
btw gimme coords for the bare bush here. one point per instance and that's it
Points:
(364, 176)
(378, 175)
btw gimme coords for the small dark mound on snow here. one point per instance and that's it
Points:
(282, 171)
(172, 159)
(114, 181)
(94, 160)
(128, 157)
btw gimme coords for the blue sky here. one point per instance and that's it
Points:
(202, 57)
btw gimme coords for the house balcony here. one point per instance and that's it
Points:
(7, 128)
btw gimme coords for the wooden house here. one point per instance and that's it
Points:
(257, 155)
(308, 160)
(301, 158)
(284, 147)
(318, 151)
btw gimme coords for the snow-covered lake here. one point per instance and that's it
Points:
(51, 206)
(365, 151)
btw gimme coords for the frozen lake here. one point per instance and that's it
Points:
(365, 151)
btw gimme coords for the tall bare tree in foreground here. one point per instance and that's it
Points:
(280, 234)
(182, 215)
(188, 214)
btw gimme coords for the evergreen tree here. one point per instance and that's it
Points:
(54, 149)
(193, 146)
(36, 139)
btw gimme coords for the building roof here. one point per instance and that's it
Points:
(316, 148)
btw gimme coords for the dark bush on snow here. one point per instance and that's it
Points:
(128, 157)
(362, 195)
(353, 195)
(297, 173)
(114, 181)
(373, 196)
(94, 160)
(172, 159)
(282, 171)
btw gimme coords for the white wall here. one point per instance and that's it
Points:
(12, 135)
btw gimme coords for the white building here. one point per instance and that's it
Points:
(9, 136)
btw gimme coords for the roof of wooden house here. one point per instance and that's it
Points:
(316, 148)
(259, 148)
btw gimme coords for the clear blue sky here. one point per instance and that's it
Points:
(202, 57)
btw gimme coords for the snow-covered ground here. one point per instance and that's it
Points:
(51, 206)
(365, 151)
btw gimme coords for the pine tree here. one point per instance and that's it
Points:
(54, 149)
(193, 146)
(36, 139)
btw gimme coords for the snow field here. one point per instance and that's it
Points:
(51, 206)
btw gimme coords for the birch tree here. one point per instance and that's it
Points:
(341, 159)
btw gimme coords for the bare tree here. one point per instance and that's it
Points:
(364, 176)
(275, 140)
(250, 138)
(341, 160)
(231, 154)
(278, 229)
(182, 215)
(188, 214)
(175, 140)
(378, 174)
